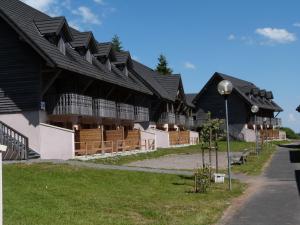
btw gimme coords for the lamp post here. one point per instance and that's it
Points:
(2, 149)
(254, 110)
(225, 88)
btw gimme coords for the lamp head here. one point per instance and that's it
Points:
(225, 87)
(254, 109)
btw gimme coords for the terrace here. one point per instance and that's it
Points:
(81, 105)
(275, 122)
(180, 120)
(167, 118)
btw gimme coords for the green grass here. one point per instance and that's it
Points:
(121, 160)
(47, 194)
(255, 164)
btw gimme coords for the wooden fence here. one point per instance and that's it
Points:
(179, 137)
(269, 134)
(89, 141)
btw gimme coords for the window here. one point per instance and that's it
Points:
(108, 64)
(62, 46)
(89, 56)
(125, 70)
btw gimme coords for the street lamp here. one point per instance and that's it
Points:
(254, 110)
(2, 149)
(225, 88)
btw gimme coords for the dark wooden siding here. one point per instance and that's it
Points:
(19, 73)
(211, 101)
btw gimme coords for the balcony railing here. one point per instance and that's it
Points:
(180, 120)
(189, 122)
(141, 114)
(104, 108)
(167, 118)
(125, 111)
(75, 104)
(69, 104)
(265, 120)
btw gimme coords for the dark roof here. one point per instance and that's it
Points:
(245, 90)
(147, 75)
(54, 26)
(170, 83)
(21, 17)
(122, 57)
(84, 39)
(103, 49)
(189, 99)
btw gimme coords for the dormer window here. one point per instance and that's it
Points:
(62, 46)
(89, 56)
(108, 64)
(125, 70)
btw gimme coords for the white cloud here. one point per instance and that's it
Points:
(42, 5)
(296, 24)
(274, 35)
(231, 37)
(75, 25)
(189, 65)
(101, 2)
(87, 15)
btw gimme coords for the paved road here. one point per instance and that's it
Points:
(277, 202)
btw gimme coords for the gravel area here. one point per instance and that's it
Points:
(181, 161)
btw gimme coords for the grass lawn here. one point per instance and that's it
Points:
(47, 194)
(121, 160)
(255, 164)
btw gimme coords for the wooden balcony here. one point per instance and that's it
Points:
(104, 108)
(180, 120)
(267, 121)
(189, 122)
(141, 114)
(167, 118)
(125, 111)
(69, 104)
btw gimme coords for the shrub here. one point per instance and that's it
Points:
(290, 133)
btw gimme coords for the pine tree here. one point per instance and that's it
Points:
(116, 43)
(162, 66)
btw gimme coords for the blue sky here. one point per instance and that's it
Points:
(253, 40)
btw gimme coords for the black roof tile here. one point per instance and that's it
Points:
(21, 17)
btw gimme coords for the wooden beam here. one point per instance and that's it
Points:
(46, 88)
(110, 91)
(88, 84)
(127, 98)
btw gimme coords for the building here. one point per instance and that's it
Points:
(245, 94)
(64, 93)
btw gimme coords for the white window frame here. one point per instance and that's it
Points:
(125, 70)
(108, 64)
(89, 56)
(62, 46)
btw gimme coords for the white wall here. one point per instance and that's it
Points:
(249, 135)
(162, 138)
(56, 142)
(26, 123)
(194, 134)
(145, 135)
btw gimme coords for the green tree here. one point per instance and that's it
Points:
(290, 133)
(116, 43)
(162, 66)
